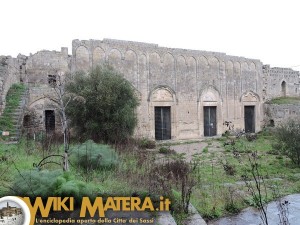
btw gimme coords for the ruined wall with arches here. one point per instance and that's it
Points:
(280, 82)
(179, 86)
(184, 94)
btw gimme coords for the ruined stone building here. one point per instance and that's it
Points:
(184, 94)
(11, 215)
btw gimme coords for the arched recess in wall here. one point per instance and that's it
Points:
(192, 76)
(230, 81)
(237, 78)
(115, 59)
(130, 67)
(98, 57)
(182, 73)
(154, 70)
(203, 71)
(283, 88)
(210, 111)
(250, 102)
(143, 74)
(214, 69)
(245, 79)
(253, 77)
(168, 71)
(82, 59)
(162, 106)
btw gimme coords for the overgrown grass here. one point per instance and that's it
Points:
(285, 100)
(12, 102)
(124, 179)
(217, 193)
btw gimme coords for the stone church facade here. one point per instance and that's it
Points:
(184, 94)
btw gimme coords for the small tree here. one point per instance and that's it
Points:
(288, 140)
(110, 102)
(61, 98)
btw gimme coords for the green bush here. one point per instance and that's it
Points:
(288, 140)
(166, 150)
(46, 183)
(146, 143)
(205, 150)
(104, 107)
(90, 155)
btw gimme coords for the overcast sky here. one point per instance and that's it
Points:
(260, 29)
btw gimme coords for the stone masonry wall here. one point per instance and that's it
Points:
(276, 114)
(41, 68)
(185, 80)
(281, 82)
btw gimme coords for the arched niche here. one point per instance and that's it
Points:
(283, 88)
(154, 69)
(98, 56)
(115, 59)
(214, 70)
(229, 69)
(82, 59)
(130, 67)
(162, 94)
(249, 97)
(203, 67)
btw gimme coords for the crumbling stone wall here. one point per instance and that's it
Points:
(43, 68)
(44, 63)
(279, 82)
(278, 113)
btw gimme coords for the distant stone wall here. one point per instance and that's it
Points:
(276, 114)
(281, 82)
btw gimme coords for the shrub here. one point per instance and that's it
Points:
(178, 172)
(166, 150)
(46, 183)
(205, 150)
(90, 155)
(146, 143)
(288, 140)
(104, 107)
(229, 169)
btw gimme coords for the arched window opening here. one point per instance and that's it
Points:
(283, 88)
